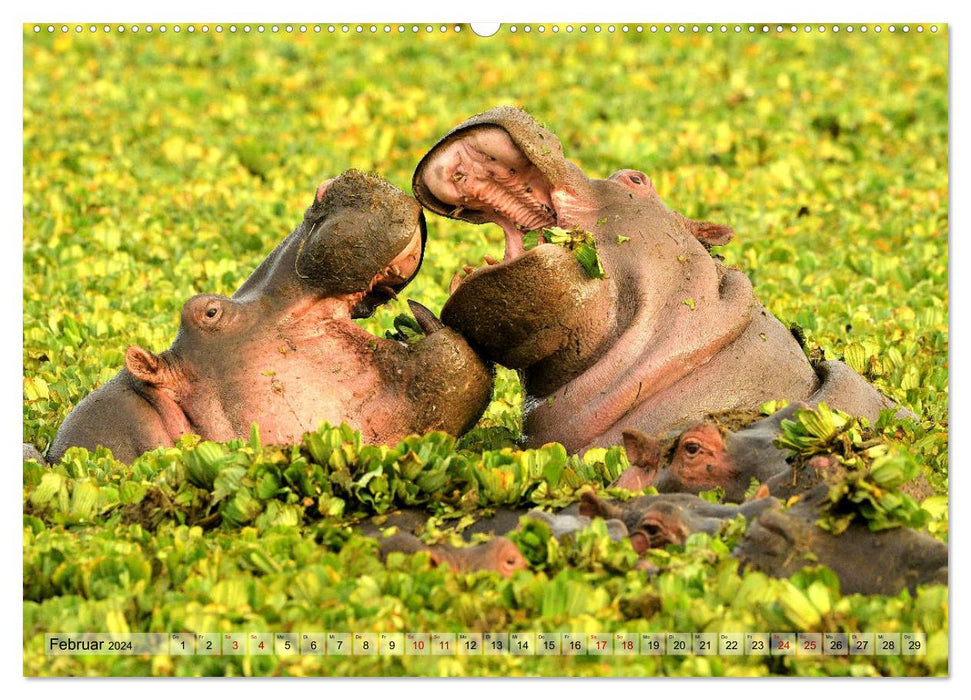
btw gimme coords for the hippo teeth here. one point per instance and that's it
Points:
(508, 197)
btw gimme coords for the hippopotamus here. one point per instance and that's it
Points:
(709, 454)
(498, 554)
(657, 521)
(668, 335)
(284, 351)
(780, 541)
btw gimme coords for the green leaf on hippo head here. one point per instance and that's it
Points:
(530, 239)
(586, 254)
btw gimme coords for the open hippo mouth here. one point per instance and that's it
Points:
(499, 167)
(396, 275)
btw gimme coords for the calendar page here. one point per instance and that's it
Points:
(564, 350)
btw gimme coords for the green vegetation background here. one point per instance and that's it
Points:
(161, 166)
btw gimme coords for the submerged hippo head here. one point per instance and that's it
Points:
(668, 335)
(283, 351)
(782, 541)
(657, 521)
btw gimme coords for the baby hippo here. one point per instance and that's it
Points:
(284, 351)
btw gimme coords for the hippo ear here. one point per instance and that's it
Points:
(143, 365)
(711, 234)
(319, 195)
(593, 507)
(643, 450)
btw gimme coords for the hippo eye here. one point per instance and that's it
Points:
(636, 179)
(692, 447)
(212, 313)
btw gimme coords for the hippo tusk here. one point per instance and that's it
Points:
(386, 290)
(426, 319)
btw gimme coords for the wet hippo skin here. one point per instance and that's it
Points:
(284, 351)
(669, 335)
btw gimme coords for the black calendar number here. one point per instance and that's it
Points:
(679, 645)
(861, 644)
(471, 645)
(731, 645)
(758, 645)
(549, 645)
(836, 644)
(913, 645)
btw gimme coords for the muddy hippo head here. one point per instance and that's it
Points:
(667, 335)
(284, 352)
